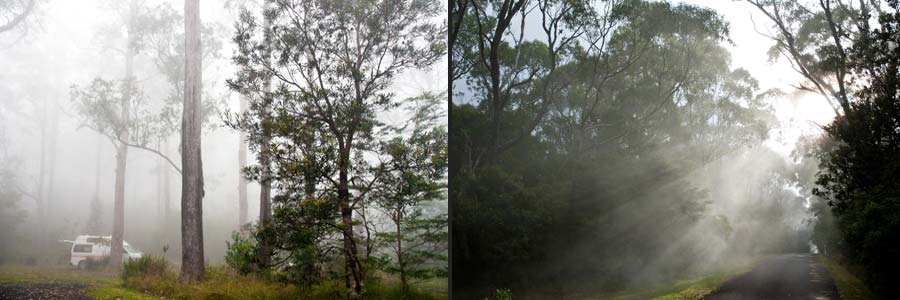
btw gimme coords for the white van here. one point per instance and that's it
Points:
(91, 248)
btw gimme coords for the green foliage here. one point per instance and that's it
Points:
(147, 265)
(860, 161)
(241, 253)
(415, 176)
(502, 294)
(316, 135)
(850, 287)
(423, 247)
(220, 285)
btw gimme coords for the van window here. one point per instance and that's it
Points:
(82, 248)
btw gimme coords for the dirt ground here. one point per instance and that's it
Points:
(43, 291)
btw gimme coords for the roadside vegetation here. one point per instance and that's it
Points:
(153, 278)
(850, 286)
(690, 288)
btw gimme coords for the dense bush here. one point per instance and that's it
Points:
(860, 159)
(241, 253)
(149, 265)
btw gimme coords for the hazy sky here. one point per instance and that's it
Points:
(749, 51)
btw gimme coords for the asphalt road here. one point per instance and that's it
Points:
(784, 277)
(43, 291)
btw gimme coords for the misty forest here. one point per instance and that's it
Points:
(696, 149)
(270, 149)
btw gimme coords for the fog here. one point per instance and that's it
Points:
(69, 43)
(614, 190)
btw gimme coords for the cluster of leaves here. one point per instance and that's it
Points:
(241, 253)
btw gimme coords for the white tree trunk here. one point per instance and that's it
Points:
(118, 232)
(192, 164)
(242, 181)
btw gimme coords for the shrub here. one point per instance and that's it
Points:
(151, 265)
(165, 285)
(502, 294)
(241, 253)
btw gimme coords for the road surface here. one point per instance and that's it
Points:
(43, 291)
(784, 277)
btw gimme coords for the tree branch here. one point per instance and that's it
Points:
(18, 19)
(153, 151)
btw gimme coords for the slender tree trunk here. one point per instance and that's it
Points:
(167, 195)
(160, 165)
(265, 206)
(265, 199)
(167, 201)
(400, 263)
(97, 170)
(192, 267)
(242, 181)
(118, 232)
(93, 226)
(51, 172)
(41, 197)
(355, 281)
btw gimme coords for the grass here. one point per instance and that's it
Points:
(849, 286)
(116, 292)
(438, 285)
(102, 285)
(387, 286)
(18, 273)
(221, 284)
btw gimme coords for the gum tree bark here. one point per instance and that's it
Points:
(192, 267)
(242, 181)
(118, 230)
(265, 182)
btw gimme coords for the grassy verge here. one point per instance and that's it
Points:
(687, 289)
(849, 286)
(17, 273)
(224, 284)
(117, 292)
(100, 284)
(221, 284)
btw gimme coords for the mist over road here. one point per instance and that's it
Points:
(783, 277)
